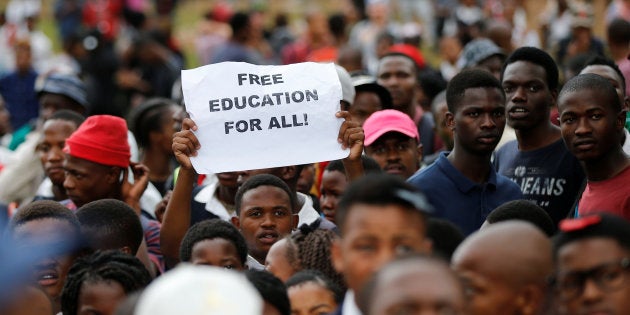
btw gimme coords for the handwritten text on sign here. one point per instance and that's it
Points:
(252, 117)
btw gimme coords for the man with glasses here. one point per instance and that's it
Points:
(592, 254)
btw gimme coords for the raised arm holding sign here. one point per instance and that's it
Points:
(345, 138)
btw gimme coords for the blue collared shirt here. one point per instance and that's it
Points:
(460, 200)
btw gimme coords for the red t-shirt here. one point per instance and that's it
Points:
(610, 195)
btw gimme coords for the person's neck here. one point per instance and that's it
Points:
(606, 167)
(410, 110)
(159, 164)
(619, 52)
(537, 137)
(59, 193)
(474, 166)
(227, 194)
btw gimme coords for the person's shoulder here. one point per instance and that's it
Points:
(507, 185)
(427, 172)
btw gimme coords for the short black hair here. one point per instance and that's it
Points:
(365, 296)
(149, 117)
(604, 225)
(110, 224)
(523, 210)
(597, 60)
(445, 237)
(538, 57)
(618, 32)
(381, 190)
(116, 266)
(45, 209)
(239, 21)
(261, 180)
(593, 82)
(469, 79)
(68, 115)
(315, 276)
(369, 165)
(271, 289)
(211, 229)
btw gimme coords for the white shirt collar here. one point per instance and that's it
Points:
(349, 306)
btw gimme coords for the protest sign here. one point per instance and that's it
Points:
(253, 117)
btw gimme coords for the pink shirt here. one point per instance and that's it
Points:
(611, 195)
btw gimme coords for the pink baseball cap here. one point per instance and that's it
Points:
(387, 120)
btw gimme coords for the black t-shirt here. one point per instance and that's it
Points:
(550, 176)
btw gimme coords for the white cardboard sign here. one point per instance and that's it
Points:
(253, 117)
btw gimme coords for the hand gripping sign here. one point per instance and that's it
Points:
(253, 117)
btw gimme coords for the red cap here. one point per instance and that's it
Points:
(101, 139)
(570, 225)
(384, 121)
(409, 51)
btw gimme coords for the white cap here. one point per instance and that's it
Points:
(347, 87)
(200, 290)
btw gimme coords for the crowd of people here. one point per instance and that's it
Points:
(495, 180)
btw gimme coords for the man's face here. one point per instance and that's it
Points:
(612, 76)
(265, 217)
(396, 153)
(88, 181)
(529, 99)
(49, 273)
(365, 104)
(590, 128)
(478, 121)
(333, 185)
(218, 252)
(417, 290)
(373, 236)
(398, 75)
(50, 148)
(606, 288)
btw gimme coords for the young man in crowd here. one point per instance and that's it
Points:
(50, 150)
(591, 120)
(379, 217)
(392, 140)
(97, 167)
(505, 267)
(264, 205)
(592, 263)
(462, 185)
(537, 160)
(398, 73)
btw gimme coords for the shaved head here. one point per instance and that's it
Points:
(506, 265)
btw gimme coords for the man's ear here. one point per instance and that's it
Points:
(621, 120)
(427, 246)
(114, 175)
(336, 256)
(236, 222)
(530, 299)
(127, 250)
(420, 152)
(554, 97)
(295, 220)
(450, 121)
